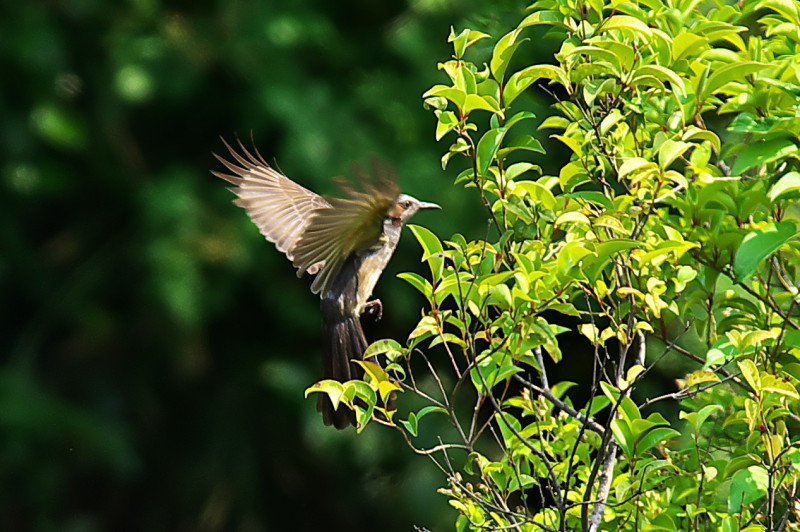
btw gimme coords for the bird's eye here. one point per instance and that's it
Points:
(406, 204)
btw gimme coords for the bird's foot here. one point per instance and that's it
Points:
(374, 308)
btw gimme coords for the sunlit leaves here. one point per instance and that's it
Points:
(446, 122)
(431, 247)
(763, 152)
(537, 192)
(728, 74)
(464, 40)
(503, 51)
(670, 223)
(787, 186)
(521, 80)
(687, 45)
(759, 244)
(748, 486)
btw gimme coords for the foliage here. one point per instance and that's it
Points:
(669, 235)
(153, 348)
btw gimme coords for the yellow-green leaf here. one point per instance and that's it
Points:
(700, 376)
(750, 374)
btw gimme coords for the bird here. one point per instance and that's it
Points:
(345, 242)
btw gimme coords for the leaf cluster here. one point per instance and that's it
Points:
(671, 231)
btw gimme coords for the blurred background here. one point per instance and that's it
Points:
(154, 348)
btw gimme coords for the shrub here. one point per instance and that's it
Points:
(668, 236)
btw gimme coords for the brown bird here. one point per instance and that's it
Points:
(345, 242)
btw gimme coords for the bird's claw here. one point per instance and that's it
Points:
(374, 308)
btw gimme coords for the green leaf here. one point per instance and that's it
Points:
(547, 17)
(464, 40)
(660, 253)
(572, 217)
(763, 152)
(538, 193)
(410, 424)
(593, 196)
(635, 165)
(785, 186)
(418, 282)
(687, 44)
(623, 433)
(429, 410)
(663, 74)
(517, 169)
(430, 243)
(627, 408)
(518, 117)
(759, 244)
(501, 296)
(653, 436)
(461, 75)
(625, 22)
(460, 146)
(526, 142)
(599, 54)
(684, 275)
(457, 96)
(669, 151)
(571, 176)
(446, 122)
(576, 145)
(426, 327)
(697, 419)
(728, 73)
(593, 267)
(502, 53)
(663, 522)
(570, 255)
(509, 438)
(366, 397)
(787, 8)
(484, 103)
(487, 148)
(748, 486)
(747, 123)
(599, 403)
(774, 384)
(720, 353)
(519, 81)
(431, 250)
(523, 142)
(380, 347)
(694, 133)
(333, 389)
(554, 122)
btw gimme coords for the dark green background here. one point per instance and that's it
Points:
(154, 348)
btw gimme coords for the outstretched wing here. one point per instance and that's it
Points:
(350, 225)
(280, 208)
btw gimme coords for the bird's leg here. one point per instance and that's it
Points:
(375, 308)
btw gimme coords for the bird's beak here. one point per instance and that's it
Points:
(425, 205)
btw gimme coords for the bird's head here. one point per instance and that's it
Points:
(405, 207)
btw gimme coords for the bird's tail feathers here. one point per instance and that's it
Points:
(344, 342)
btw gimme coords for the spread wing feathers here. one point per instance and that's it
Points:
(279, 207)
(349, 225)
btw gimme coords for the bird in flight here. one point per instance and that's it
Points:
(344, 242)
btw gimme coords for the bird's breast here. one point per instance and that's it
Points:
(370, 270)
